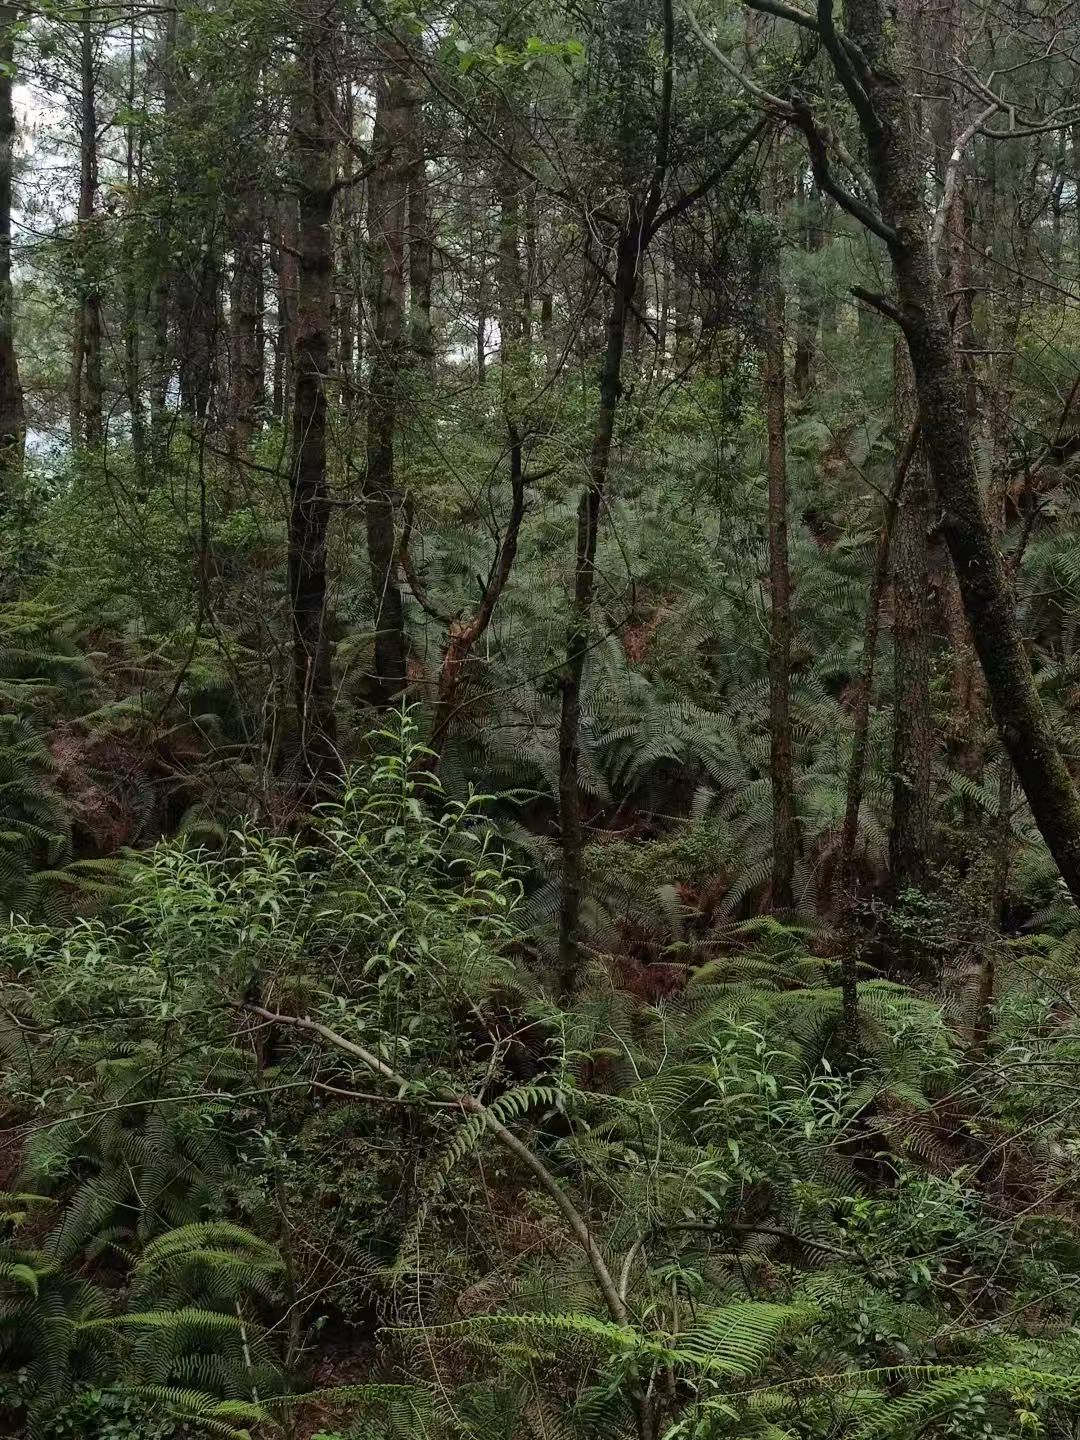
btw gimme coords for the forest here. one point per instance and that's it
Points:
(539, 719)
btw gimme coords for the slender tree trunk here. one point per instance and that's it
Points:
(287, 280)
(12, 411)
(1004, 330)
(87, 406)
(420, 245)
(461, 634)
(663, 310)
(635, 234)
(682, 297)
(387, 218)
(162, 296)
(347, 225)
(808, 318)
(864, 685)
(578, 627)
(198, 314)
(913, 728)
(883, 105)
(967, 693)
(245, 366)
(784, 831)
(132, 358)
(313, 149)
(481, 330)
(842, 890)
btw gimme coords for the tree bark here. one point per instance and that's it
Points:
(12, 410)
(313, 151)
(387, 219)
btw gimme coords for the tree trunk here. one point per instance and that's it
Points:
(578, 627)
(286, 277)
(634, 235)
(784, 830)
(462, 635)
(197, 319)
(12, 411)
(864, 685)
(420, 246)
(808, 318)
(245, 367)
(87, 406)
(913, 728)
(883, 105)
(843, 885)
(347, 225)
(161, 298)
(132, 358)
(313, 150)
(387, 215)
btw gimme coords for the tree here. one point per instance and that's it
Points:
(12, 412)
(785, 834)
(313, 157)
(865, 63)
(86, 376)
(388, 209)
(641, 208)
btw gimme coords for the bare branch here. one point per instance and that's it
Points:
(881, 303)
(952, 175)
(772, 102)
(785, 12)
(416, 585)
(819, 161)
(576, 1223)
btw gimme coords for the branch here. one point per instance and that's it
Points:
(773, 102)
(339, 1042)
(952, 175)
(1060, 121)
(785, 12)
(578, 1226)
(416, 585)
(845, 55)
(819, 162)
(504, 561)
(880, 303)
(732, 158)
